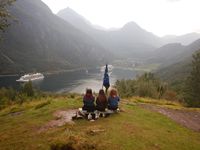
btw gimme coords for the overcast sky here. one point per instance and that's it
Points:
(162, 17)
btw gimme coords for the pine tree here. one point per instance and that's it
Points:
(28, 89)
(192, 90)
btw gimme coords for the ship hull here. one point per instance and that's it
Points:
(20, 80)
(31, 77)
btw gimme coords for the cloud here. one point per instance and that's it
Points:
(198, 30)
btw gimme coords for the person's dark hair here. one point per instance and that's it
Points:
(88, 91)
(101, 91)
(102, 96)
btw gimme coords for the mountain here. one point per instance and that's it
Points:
(183, 39)
(42, 41)
(128, 41)
(176, 72)
(167, 54)
(173, 53)
(134, 33)
(74, 18)
(180, 65)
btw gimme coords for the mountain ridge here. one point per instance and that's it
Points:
(184, 39)
(42, 41)
(173, 53)
(176, 72)
(122, 42)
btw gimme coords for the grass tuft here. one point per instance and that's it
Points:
(42, 104)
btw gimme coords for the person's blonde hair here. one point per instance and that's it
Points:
(113, 92)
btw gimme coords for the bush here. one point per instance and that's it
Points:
(28, 89)
(145, 86)
(192, 88)
(170, 95)
(126, 88)
(146, 89)
(9, 96)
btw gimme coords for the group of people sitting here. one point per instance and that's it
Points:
(102, 101)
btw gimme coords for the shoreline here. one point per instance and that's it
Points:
(9, 75)
(69, 70)
(45, 72)
(52, 72)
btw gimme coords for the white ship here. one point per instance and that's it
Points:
(31, 77)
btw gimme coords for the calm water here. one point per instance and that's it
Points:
(75, 81)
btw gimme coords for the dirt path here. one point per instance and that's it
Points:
(189, 119)
(61, 118)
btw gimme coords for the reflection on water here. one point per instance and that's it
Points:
(74, 81)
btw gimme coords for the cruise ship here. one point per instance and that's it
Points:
(31, 77)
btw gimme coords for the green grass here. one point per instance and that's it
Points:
(135, 128)
(147, 67)
(161, 103)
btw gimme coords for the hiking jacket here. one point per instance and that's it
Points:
(113, 101)
(88, 101)
(101, 104)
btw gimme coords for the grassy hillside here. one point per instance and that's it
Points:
(176, 74)
(134, 128)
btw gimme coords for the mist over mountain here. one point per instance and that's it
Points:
(183, 39)
(167, 54)
(41, 41)
(134, 33)
(173, 53)
(129, 41)
(72, 17)
(176, 68)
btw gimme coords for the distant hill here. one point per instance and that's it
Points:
(167, 54)
(41, 41)
(179, 66)
(183, 39)
(129, 41)
(173, 53)
(175, 72)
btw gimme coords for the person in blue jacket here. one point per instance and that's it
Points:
(113, 100)
(88, 101)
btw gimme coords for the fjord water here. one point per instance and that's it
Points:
(72, 81)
